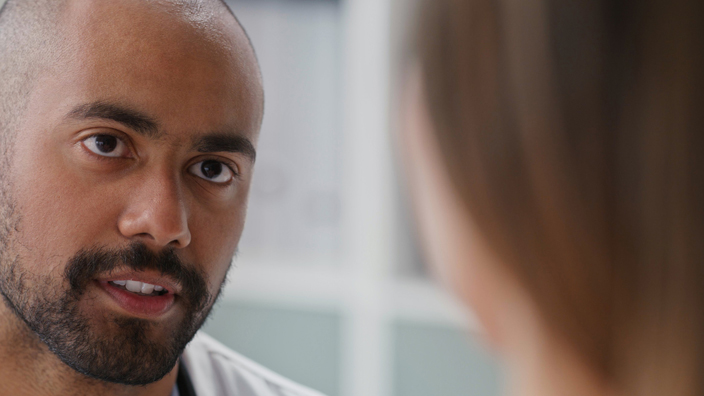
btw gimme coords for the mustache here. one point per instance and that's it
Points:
(87, 264)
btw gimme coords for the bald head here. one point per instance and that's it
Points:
(37, 37)
(25, 28)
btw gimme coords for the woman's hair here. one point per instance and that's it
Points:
(573, 130)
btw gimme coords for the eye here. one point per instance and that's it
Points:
(213, 171)
(107, 146)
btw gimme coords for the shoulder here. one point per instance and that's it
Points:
(216, 370)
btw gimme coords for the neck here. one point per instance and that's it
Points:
(541, 370)
(540, 363)
(30, 368)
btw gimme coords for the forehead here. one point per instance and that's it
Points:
(185, 66)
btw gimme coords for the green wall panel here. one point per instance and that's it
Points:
(301, 345)
(441, 361)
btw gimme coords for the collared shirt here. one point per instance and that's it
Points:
(212, 369)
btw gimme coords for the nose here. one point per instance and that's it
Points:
(156, 214)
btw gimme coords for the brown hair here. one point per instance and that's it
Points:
(574, 133)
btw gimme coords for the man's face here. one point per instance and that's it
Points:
(129, 179)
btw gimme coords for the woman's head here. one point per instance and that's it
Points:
(572, 137)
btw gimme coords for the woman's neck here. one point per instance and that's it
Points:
(540, 363)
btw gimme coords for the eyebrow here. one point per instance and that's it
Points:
(139, 122)
(146, 126)
(225, 142)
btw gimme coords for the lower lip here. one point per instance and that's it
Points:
(144, 306)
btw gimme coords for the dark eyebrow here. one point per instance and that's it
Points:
(227, 142)
(132, 119)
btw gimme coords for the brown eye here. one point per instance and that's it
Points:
(106, 146)
(211, 170)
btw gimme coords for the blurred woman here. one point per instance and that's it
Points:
(556, 157)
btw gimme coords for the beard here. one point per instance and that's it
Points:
(107, 346)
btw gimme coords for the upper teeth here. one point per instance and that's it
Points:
(138, 287)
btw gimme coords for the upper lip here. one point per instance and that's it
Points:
(150, 277)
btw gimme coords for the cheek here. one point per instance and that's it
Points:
(439, 231)
(456, 253)
(214, 240)
(454, 250)
(60, 213)
(437, 210)
(448, 242)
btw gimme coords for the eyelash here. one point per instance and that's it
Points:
(229, 164)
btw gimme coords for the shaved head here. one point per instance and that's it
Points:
(30, 43)
(26, 45)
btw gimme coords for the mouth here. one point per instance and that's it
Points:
(137, 298)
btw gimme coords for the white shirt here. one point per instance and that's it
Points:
(215, 370)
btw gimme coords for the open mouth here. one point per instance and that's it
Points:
(139, 288)
(145, 300)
